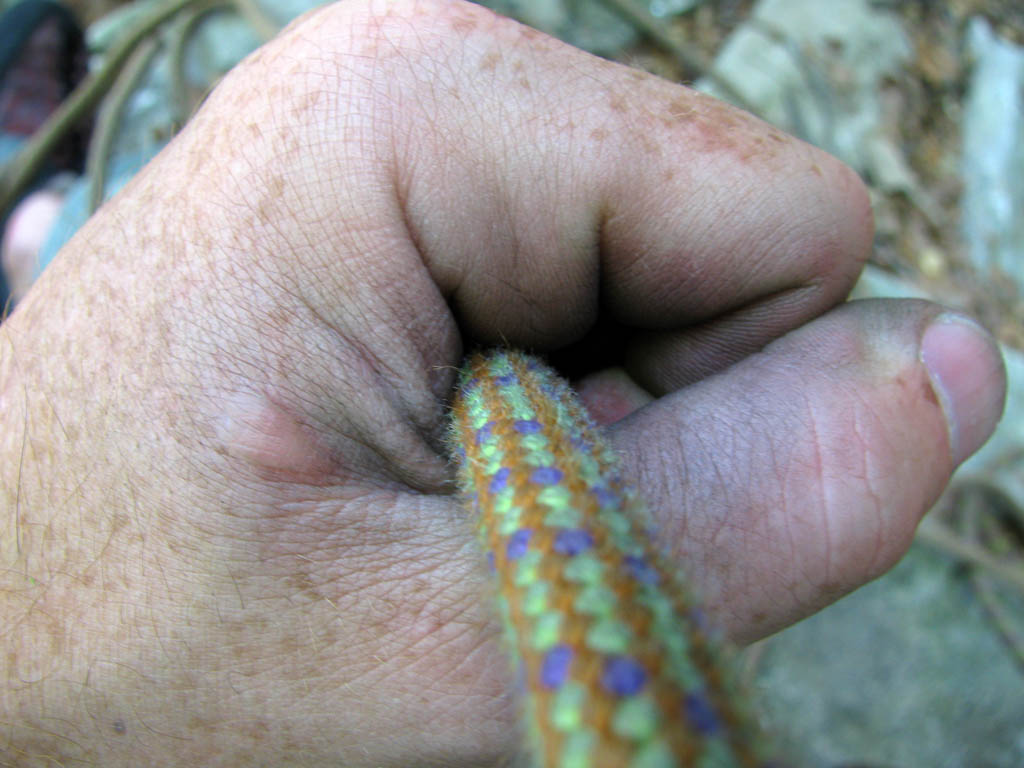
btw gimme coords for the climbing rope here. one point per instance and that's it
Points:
(614, 661)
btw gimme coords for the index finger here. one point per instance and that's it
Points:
(544, 187)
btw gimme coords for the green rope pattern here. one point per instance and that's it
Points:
(616, 666)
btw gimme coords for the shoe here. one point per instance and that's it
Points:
(42, 58)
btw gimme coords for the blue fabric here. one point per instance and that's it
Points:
(8, 147)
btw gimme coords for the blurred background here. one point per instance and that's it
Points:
(925, 666)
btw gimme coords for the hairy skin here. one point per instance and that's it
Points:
(228, 535)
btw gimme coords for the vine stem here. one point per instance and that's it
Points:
(261, 21)
(939, 536)
(179, 39)
(109, 120)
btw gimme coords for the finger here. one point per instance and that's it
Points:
(581, 186)
(539, 186)
(382, 170)
(610, 395)
(803, 471)
(664, 361)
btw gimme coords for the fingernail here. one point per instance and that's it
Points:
(966, 371)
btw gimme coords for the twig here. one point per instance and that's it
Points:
(973, 507)
(109, 120)
(751, 662)
(939, 536)
(19, 173)
(1000, 617)
(690, 60)
(179, 40)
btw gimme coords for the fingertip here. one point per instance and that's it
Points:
(836, 224)
(857, 213)
(610, 395)
(968, 377)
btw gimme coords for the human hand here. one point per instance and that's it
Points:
(230, 536)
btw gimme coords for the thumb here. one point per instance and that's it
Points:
(801, 473)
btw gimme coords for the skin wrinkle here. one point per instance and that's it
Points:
(817, 467)
(405, 196)
(870, 472)
(690, 355)
(761, 243)
(718, 514)
(664, 480)
(431, 476)
(792, 470)
(325, 322)
(386, 576)
(384, 373)
(350, 283)
(315, 524)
